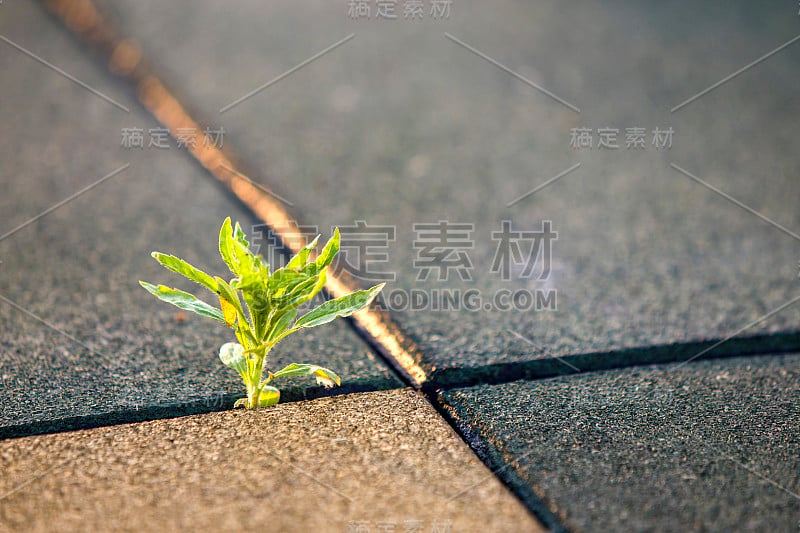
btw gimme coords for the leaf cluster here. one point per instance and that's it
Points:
(261, 306)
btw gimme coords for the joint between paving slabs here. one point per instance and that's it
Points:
(667, 354)
(378, 330)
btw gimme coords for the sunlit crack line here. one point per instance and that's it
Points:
(257, 185)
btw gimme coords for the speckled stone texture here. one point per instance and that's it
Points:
(709, 446)
(360, 460)
(78, 267)
(401, 125)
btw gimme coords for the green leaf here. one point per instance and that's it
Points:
(183, 268)
(330, 250)
(299, 261)
(324, 376)
(246, 260)
(232, 355)
(340, 307)
(300, 292)
(326, 257)
(225, 249)
(241, 238)
(321, 279)
(269, 396)
(228, 312)
(262, 308)
(183, 300)
(257, 300)
(235, 251)
(226, 292)
(280, 323)
(282, 277)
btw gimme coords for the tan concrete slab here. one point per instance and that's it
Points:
(363, 461)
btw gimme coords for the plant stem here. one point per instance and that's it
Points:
(253, 394)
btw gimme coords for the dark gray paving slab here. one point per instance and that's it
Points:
(402, 124)
(362, 462)
(77, 268)
(708, 446)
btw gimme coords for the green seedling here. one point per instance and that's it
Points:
(261, 307)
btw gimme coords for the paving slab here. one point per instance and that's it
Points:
(416, 120)
(359, 462)
(80, 341)
(708, 446)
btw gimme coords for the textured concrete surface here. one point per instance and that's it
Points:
(401, 125)
(362, 460)
(78, 267)
(709, 446)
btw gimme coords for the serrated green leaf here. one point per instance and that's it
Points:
(340, 307)
(245, 260)
(257, 300)
(269, 396)
(176, 264)
(232, 355)
(241, 238)
(281, 278)
(225, 248)
(291, 286)
(322, 277)
(235, 251)
(300, 292)
(324, 376)
(270, 301)
(327, 255)
(183, 300)
(280, 323)
(299, 261)
(226, 292)
(329, 251)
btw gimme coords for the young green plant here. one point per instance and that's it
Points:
(261, 307)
